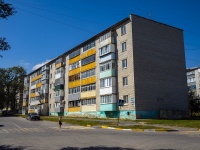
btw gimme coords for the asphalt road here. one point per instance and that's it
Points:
(18, 133)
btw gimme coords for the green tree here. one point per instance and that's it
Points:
(6, 10)
(194, 103)
(11, 81)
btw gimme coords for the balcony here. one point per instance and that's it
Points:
(45, 90)
(59, 98)
(74, 71)
(108, 73)
(59, 109)
(88, 80)
(86, 108)
(111, 49)
(59, 81)
(75, 96)
(74, 84)
(33, 86)
(88, 53)
(88, 94)
(59, 75)
(108, 107)
(59, 87)
(88, 67)
(108, 90)
(32, 95)
(39, 85)
(45, 81)
(59, 65)
(36, 78)
(74, 109)
(106, 42)
(108, 57)
(75, 59)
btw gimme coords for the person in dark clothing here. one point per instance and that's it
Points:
(60, 121)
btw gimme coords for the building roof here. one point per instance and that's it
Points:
(85, 42)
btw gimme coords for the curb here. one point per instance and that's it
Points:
(140, 130)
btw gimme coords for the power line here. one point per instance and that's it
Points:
(60, 14)
(56, 21)
(75, 9)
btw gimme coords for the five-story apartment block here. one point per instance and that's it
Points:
(136, 60)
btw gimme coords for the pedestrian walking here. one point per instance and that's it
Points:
(60, 121)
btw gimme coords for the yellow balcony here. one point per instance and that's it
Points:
(25, 104)
(36, 78)
(74, 109)
(88, 67)
(75, 71)
(75, 59)
(88, 80)
(89, 94)
(31, 111)
(39, 85)
(32, 95)
(74, 84)
(88, 53)
(59, 65)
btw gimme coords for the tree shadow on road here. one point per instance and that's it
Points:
(96, 148)
(10, 147)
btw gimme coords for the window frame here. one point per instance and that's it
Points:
(123, 30)
(124, 63)
(123, 46)
(125, 81)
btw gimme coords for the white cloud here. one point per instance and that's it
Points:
(24, 64)
(39, 65)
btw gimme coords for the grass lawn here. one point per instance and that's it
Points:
(113, 122)
(179, 123)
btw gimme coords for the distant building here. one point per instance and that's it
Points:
(136, 60)
(25, 95)
(193, 80)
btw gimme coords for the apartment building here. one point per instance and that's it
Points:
(25, 95)
(193, 80)
(137, 60)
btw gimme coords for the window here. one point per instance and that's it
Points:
(88, 87)
(107, 66)
(105, 36)
(104, 50)
(50, 96)
(106, 99)
(50, 106)
(125, 81)
(106, 82)
(74, 90)
(88, 73)
(125, 98)
(124, 63)
(88, 60)
(88, 46)
(123, 46)
(90, 101)
(123, 30)
(51, 75)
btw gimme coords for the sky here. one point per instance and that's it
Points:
(44, 29)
